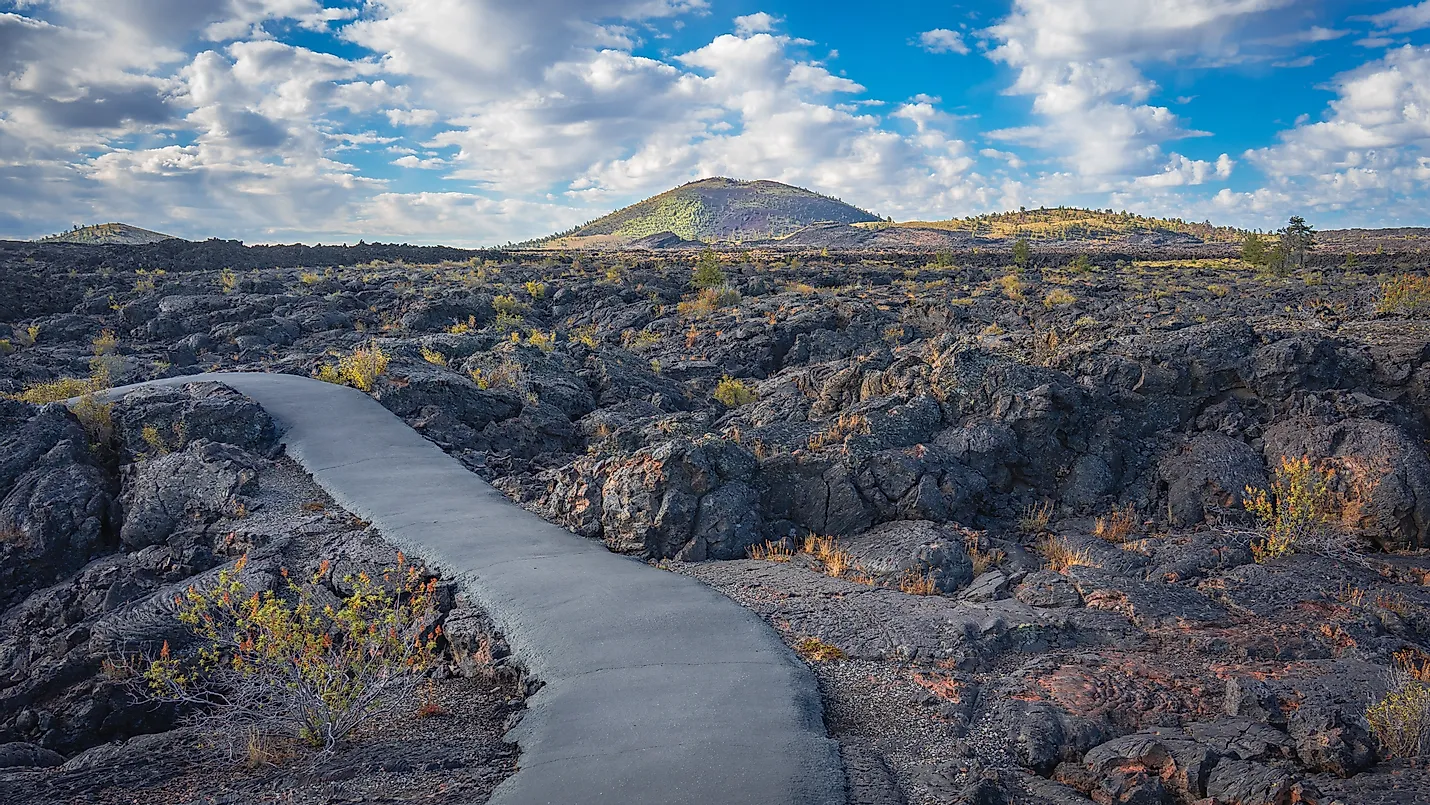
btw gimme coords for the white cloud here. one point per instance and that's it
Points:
(1371, 141)
(943, 40)
(757, 23)
(1079, 60)
(1402, 20)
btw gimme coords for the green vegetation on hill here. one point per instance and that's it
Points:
(107, 234)
(1068, 223)
(717, 209)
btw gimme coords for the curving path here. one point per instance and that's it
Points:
(657, 689)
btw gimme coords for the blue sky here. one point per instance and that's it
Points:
(477, 122)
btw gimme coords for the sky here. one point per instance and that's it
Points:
(480, 122)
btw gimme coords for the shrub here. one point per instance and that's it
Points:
(1405, 294)
(97, 419)
(734, 393)
(1080, 264)
(360, 370)
(509, 305)
(1294, 514)
(707, 271)
(310, 278)
(1012, 287)
(106, 363)
(433, 357)
(463, 327)
(1400, 721)
(536, 290)
(285, 665)
(1022, 253)
(6, 347)
(227, 281)
(586, 335)
(56, 390)
(508, 322)
(158, 445)
(542, 341)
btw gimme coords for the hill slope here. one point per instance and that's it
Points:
(108, 235)
(716, 209)
(1070, 223)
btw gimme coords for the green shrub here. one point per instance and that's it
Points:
(1405, 294)
(360, 370)
(508, 305)
(734, 393)
(1400, 722)
(285, 665)
(707, 271)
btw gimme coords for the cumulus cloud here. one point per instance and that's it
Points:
(943, 40)
(476, 121)
(1370, 143)
(1080, 61)
(757, 23)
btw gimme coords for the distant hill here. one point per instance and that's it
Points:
(719, 209)
(1073, 224)
(108, 235)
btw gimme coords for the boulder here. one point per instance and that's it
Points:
(54, 517)
(1382, 473)
(194, 486)
(160, 419)
(1208, 476)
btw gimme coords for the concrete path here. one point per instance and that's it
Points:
(657, 689)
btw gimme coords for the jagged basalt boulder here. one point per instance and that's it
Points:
(57, 509)
(160, 419)
(192, 487)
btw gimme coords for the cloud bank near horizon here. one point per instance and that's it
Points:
(475, 122)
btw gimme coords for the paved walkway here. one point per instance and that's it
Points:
(657, 689)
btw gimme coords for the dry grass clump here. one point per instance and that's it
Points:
(915, 583)
(1401, 720)
(1061, 555)
(463, 327)
(815, 650)
(983, 561)
(708, 301)
(834, 560)
(845, 426)
(1117, 525)
(772, 551)
(1035, 518)
(1057, 298)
